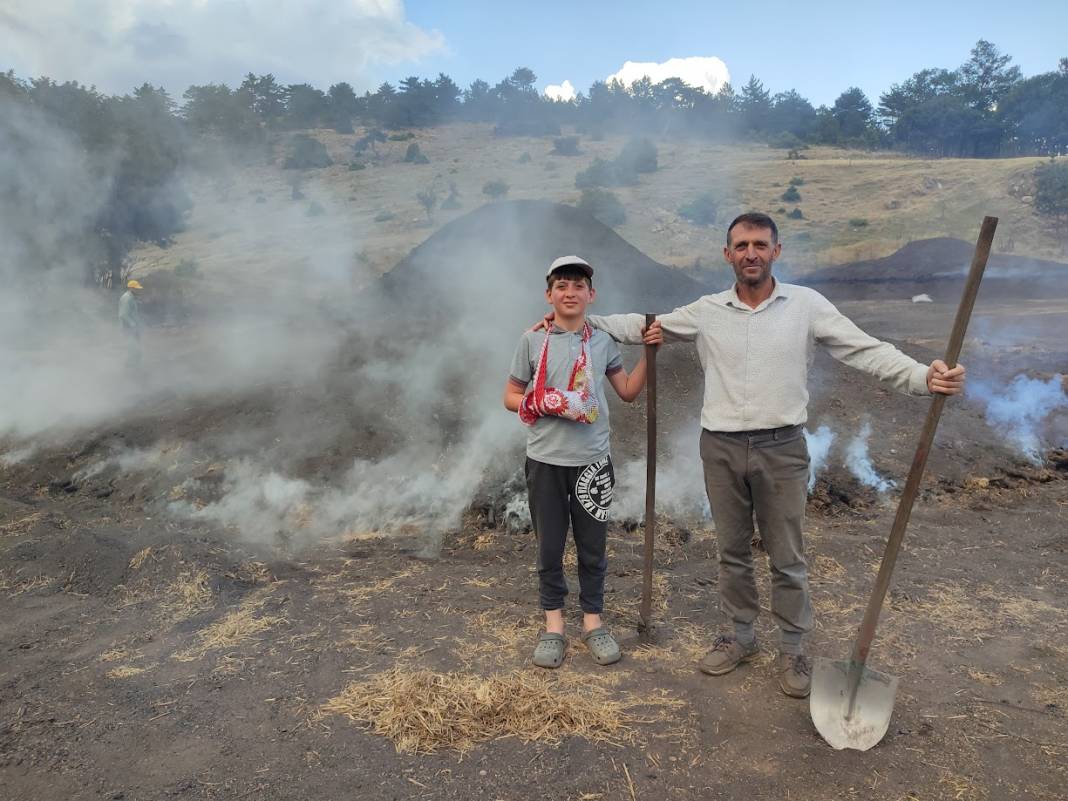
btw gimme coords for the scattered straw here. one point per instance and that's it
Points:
(983, 677)
(231, 630)
(421, 711)
(139, 558)
(124, 672)
(962, 788)
(187, 595)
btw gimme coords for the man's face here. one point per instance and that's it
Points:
(569, 297)
(751, 253)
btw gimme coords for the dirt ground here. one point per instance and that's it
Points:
(149, 656)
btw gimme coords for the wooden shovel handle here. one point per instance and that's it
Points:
(646, 609)
(912, 485)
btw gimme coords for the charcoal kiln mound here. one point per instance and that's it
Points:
(510, 245)
(938, 267)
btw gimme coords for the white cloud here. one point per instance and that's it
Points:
(119, 44)
(564, 91)
(702, 72)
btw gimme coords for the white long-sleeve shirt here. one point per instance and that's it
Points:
(756, 360)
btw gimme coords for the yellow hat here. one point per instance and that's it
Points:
(132, 284)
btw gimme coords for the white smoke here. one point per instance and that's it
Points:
(859, 463)
(126, 460)
(17, 455)
(701, 72)
(819, 448)
(680, 489)
(1019, 410)
(563, 92)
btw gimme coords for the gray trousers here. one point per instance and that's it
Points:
(761, 473)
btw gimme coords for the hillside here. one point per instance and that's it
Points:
(856, 205)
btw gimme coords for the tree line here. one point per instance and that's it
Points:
(984, 108)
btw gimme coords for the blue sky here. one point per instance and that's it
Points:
(818, 48)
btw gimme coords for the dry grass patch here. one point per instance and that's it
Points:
(979, 614)
(186, 596)
(124, 672)
(422, 712)
(491, 635)
(680, 651)
(232, 630)
(366, 589)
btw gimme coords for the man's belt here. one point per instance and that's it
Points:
(782, 432)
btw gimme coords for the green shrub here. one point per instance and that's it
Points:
(384, 216)
(701, 210)
(496, 188)
(305, 153)
(414, 155)
(781, 210)
(603, 205)
(858, 222)
(796, 214)
(566, 146)
(638, 155)
(606, 173)
(785, 141)
(356, 165)
(795, 181)
(401, 137)
(791, 195)
(524, 158)
(1051, 191)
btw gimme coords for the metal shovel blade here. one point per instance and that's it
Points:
(829, 703)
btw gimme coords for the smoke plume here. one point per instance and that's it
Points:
(859, 463)
(1020, 410)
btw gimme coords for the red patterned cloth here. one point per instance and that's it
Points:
(578, 402)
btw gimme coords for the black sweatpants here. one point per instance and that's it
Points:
(581, 496)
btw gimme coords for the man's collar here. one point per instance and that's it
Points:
(729, 297)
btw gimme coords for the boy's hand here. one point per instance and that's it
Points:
(944, 381)
(654, 334)
(546, 322)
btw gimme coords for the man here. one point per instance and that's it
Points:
(755, 342)
(130, 321)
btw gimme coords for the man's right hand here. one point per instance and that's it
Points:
(546, 322)
(653, 334)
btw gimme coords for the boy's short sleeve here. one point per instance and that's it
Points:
(521, 370)
(615, 358)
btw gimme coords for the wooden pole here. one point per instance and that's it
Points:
(646, 611)
(912, 485)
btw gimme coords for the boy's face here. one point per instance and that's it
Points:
(569, 297)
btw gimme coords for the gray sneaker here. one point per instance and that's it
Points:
(795, 675)
(726, 654)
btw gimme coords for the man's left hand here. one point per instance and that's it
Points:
(944, 381)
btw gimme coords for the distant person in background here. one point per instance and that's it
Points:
(755, 342)
(130, 321)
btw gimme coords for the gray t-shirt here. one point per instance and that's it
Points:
(556, 440)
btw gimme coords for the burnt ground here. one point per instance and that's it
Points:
(146, 656)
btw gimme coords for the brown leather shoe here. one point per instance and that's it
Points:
(795, 675)
(726, 654)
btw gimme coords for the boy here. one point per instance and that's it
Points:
(568, 469)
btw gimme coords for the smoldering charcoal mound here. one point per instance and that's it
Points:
(510, 245)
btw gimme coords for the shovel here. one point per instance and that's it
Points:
(645, 612)
(850, 703)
